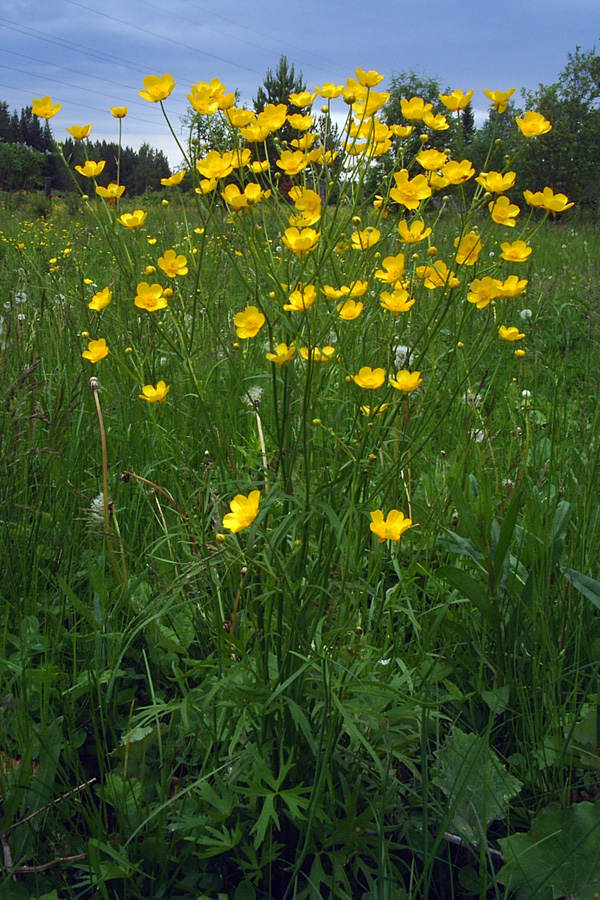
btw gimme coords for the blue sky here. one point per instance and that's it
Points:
(90, 56)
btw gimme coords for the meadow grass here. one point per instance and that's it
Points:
(197, 704)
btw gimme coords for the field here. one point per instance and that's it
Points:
(321, 623)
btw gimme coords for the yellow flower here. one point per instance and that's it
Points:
(396, 301)
(503, 211)
(437, 275)
(363, 240)
(91, 169)
(510, 334)
(547, 199)
(206, 186)
(255, 133)
(292, 161)
(495, 182)
(390, 529)
(155, 394)
(436, 122)
(100, 299)
(393, 269)
(174, 180)
(350, 310)
(252, 194)
(157, 87)
(282, 355)
(244, 511)
(431, 159)
(273, 117)
(301, 299)
(407, 192)
(512, 286)
(300, 241)
(415, 108)
(304, 143)
(258, 167)
(366, 107)
(406, 381)
(249, 322)
(150, 297)
(300, 122)
(483, 290)
(374, 410)
(518, 251)
(456, 100)
(96, 351)
(369, 79)
(402, 131)
(172, 264)
(469, 247)
(112, 192)
(458, 172)
(134, 219)
(308, 204)
(414, 233)
(214, 165)
(205, 98)
(369, 379)
(316, 354)
(499, 98)
(79, 132)
(119, 112)
(240, 118)
(532, 124)
(302, 98)
(520, 353)
(330, 91)
(43, 107)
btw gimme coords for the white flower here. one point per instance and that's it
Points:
(402, 356)
(526, 315)
(253, 396)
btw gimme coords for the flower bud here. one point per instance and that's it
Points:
(85, 334)
(128, 350)
(164, 202)
(317, 422)
(220, 538)
(349, 98)
(423, 138)
(236, 345)
(432, 251)
(168, 292)
(356, 220)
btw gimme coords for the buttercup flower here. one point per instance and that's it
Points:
(96, 350)
(374, 410)
(458, 172)
(392, 269)
(244, 510)
(100, 299)
(249, 322)
(318, 354)
(134, 219)
(330, 91)
(350, 310)
(273, 116)
(91, 169)
(431, 159)
(369, 379)
(292, 161)
(503, 211)
(415, 108)
(533, 124)
(302, 98)
(173, 180)
(409, 192)
(155, 394)
(173, 264)
(112, 192)
(300, 241)
(205, 97)
(369, 79)
(499, 98)
(547, 199)
(436, 122)
(363, 240)
(43, 107)
(469, 247)
(495, 182)
(301, 299)
(282, 355)
(510, 334)
(308, 204)
(456, 100)
(239, 201)
(414, 233)
(390, 529)
(483, 290)
(119, 112)
(406, 381)
(396, 301)
(518, 251)
(150, 297)
(512, 286)
(79, 132)
(157, 87)
(437, 275)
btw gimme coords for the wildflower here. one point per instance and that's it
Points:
(526, 315)
(350, 310)
(91, 169)
(547, 199)
(292, 161)
(150, 297)
(300, 122)
(205, 98)
(520, 353)
(369, 79)
(406, 381)
(396, 301)
(258, 167)
(499, 98)
(374, 410)
(157, 88)
(300, 241)
(302, 98)
(282, 355)
(415, 108)
(240, 118)
(206, 186)
(244, 511)
(363, 240)
(273, 117)
(409, 192)
(436, 122)
(96, 350)
(301, 299)
(483, 290)
(119, 112)
(367, 107)
(239, 201)
(468, 248)
(503, 211)
(456, 100)
(437, 275)
(213, 165)
(249, 322)
(112, 192)
(431, 159)
(173, 180)
(390, 529)
(512, 286)
(533, 124)
(518, 251)
(79, 132)
(155, 394)
(510, 334)
(308, 204)
(173, 264)
(100, 299)
(43, 107)
(316, 354)
(134, 219)
(255, 133)
(458, 172)
(414, 233)
(330, 91)
(496, 182)
(369, 379)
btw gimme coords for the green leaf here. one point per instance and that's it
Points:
(468, 587)
(476, 783)
(587, 586)
(506, 533)
(560, 854)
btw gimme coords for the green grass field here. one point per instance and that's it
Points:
(300, 693)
